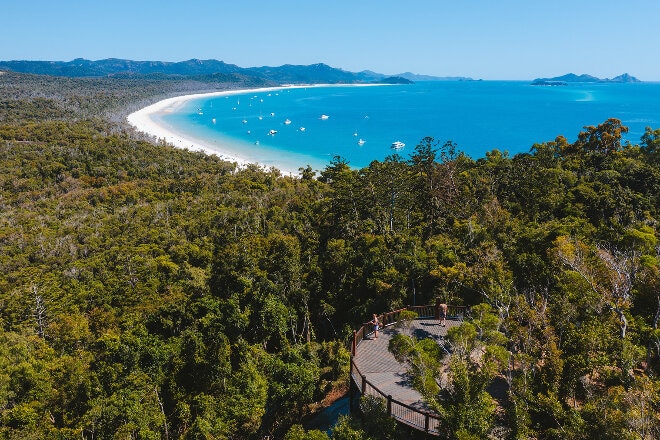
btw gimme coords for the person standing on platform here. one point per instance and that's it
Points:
(376, 325)
(443, 314)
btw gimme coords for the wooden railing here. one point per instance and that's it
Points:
(390, 318)
(415, 418)
(402, 412)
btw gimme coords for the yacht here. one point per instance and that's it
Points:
(272, 132)
(397, 145)
(302, 128)
(287, 121)
(361, 142)
(324, 117)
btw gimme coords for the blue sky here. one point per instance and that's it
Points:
(489, 39)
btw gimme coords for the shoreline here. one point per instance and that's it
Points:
(144, 121)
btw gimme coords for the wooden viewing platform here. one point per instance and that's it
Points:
(375, 371)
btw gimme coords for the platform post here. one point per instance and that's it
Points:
(350, 387)
(354, 344)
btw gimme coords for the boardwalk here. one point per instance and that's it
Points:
(382, 371)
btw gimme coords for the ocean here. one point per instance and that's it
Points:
(295, 127)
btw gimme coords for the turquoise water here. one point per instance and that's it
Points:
(478, 116)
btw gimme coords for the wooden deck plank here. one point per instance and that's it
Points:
(381, 369)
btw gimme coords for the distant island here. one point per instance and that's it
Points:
(395, 80)
(573, 78)
(420, 78)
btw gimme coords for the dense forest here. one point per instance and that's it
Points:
(150, 292)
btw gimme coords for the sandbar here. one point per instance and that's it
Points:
(146, 121)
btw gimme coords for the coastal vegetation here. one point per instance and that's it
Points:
(151, 292)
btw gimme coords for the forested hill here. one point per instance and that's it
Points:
(195, 68)
(314, 73)
(150, 292)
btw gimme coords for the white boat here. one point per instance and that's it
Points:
(397, 145)
(361, 142)
(244, 121)
(287, 121)
(324, 117)
(213, 120)
(302, 128)
(272, 132)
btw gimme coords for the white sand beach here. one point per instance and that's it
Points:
(144, 120)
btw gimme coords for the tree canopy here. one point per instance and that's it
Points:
(150, 292)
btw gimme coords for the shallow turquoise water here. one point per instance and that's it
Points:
(478, 116)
